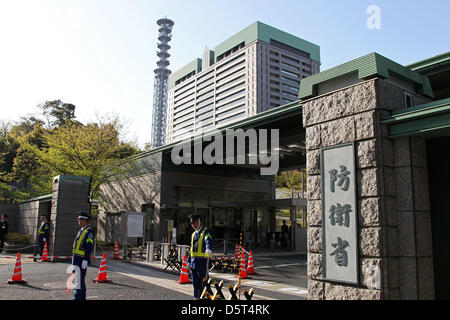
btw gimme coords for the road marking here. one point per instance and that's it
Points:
(280, 265)
(294, 290)
(259, 283)
(158, 281)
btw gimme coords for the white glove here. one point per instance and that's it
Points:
(208, 252)
(84, 264)
(44, 239)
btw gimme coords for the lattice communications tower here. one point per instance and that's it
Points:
(159, 120)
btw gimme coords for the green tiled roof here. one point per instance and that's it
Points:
(366, 67)
(195, 65)
(251, 122)
(256, 31)
(69, 177)
(429, 119)
(263, 32)
(430, 62)
(47, 197)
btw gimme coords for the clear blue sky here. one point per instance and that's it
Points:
(100, 54)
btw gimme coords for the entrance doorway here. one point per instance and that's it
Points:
(438, 155)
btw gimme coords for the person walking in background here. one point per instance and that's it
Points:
(82, 247)
(201, 251)
(3, 230)
(43, 234)
(284, 234)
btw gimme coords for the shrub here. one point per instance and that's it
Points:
(18, 238)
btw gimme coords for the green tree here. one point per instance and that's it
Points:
(94, 150)
(57, 113)
(35, 178)
(293, 181)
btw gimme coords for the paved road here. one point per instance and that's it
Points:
(47, 281)
(132, 281)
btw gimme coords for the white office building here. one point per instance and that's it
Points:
(255, 70)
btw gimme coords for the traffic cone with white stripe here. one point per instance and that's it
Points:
(17, 275)
(116, 252)
(101, 277)
(184, 276)
(45, 253)
(236, 252)
(251, 265)
(243, 272)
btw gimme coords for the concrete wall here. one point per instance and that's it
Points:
(392, 190)
(69, 195)
(28, 218)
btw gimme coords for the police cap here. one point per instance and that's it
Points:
(83, 215)
(194, 217)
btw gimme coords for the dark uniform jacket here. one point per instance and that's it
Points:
(3, 228)
(197, 254)
(44, 230)
(83, 244)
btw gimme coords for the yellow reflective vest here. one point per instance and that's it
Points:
(197, 251)
(80, 242)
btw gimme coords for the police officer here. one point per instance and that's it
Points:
(43, 234)
(82, 247)
(201, 251)
(3, 230)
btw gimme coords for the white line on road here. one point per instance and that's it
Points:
(281, 265)
(154, 278)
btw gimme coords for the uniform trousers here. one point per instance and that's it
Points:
(80, 294)
(41, 244)
(198, 273)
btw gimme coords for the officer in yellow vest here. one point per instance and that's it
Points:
(82, 247)
(201, 251)
(43, 234)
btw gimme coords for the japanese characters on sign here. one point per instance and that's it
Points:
(340, 237)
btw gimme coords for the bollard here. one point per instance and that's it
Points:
(207, 291)
(233, 291)
(219, 292)
(248, 295)
(150, 251)
(164, 251)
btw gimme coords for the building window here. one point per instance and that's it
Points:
(408, 100)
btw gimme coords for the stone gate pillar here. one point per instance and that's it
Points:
(393, 232)
(70, 194)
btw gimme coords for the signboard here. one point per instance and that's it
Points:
(174, 235)
(135, 225)
(339, 214)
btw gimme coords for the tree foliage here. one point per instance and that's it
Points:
(93, 150)
(33, 151)
(293, 181)
(57, 113)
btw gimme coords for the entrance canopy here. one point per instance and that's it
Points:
(274, 203)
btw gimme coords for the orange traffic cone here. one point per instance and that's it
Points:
(243, 272)
(184, 276)
(17, 275)
(45, 254)
(101, 277)
(251, 265)
(116, 252)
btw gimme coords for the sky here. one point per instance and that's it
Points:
(100, 54)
